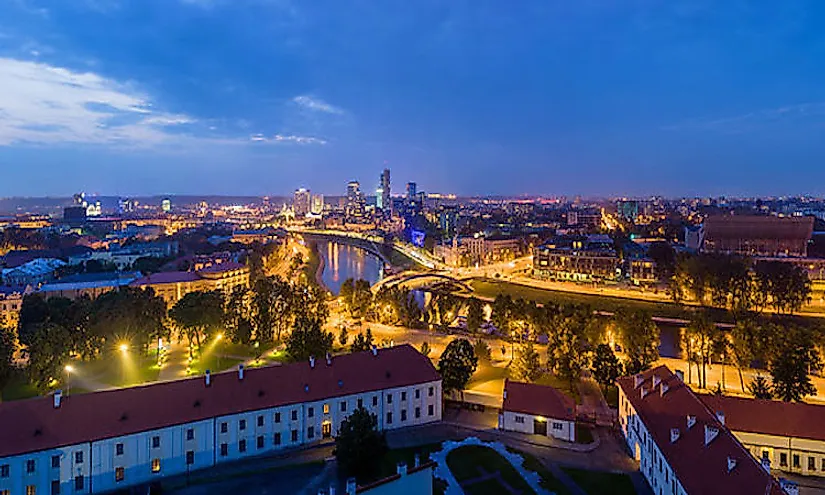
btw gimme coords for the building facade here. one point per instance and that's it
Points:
(11, 300)
(753, 235)
(172, 286)
(537, 410)
(577, 259)
(123, 438)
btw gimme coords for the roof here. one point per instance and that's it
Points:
(538, 400)
(96, 416)
(166, 278)
(225, 266)
(37, 266)
(699, 468)
(93, 282)
(758, 227)
(784, 419)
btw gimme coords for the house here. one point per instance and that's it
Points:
(539, 410)
(790, 436)
(122, 438)
(34, 273)
(682, 447)
(11, 300)
(172, 286)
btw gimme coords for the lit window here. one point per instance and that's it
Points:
(120, 474)
(155, 465)
(31, 490)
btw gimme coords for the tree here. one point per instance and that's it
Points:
(7, 348)
(787, 285)
(606, 366)
(425, 349)
(359, 446)
(238, 316)
(457, 364)
(308, 339)
(566, 354)
(197, 315)
(526, 366)
(343, 336)
(665, 258)
(796, 358)
(502, 313)
(475, 315)
(760, 388)
(47, 352)
(273, 300)
(699, 339)
(639, 336)
(482, 350)
(361, 298)
(742, 346)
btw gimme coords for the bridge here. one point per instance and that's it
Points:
(417, 280)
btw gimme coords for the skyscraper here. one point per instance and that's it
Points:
(383, 197)
(317, 207)
(301, 202)
(412, 190)
(355, 200)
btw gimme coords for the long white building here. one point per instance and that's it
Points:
(110, 440)
(682, 447)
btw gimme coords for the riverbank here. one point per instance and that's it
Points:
(314, 267)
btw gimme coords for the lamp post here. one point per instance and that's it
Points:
(68, 369)
(124, 348)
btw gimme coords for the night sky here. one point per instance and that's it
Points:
(551, 97)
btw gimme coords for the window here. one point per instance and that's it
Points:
(55, 461)
(190, 434)
(310, 412)
(519, 419)
(241, 445)
(389, 398)
(294, 415)
(4, 470)
(155, 442)
(431, 391)
(78, 457)
(796, 461)
(311, 432)
(120, 474)
(5, 492)
(224, 450)
(224, 427)
(822, 467)
(260, 420)
(278, 438)
(403, 396)
(811, 464)
(277, 417)
(242, 424)
(55, 487)
(156, 465)
(190, 457)
(783, 459)
(294, 436)
(30, 466)
(765, 455)
(343, 406)
(418, 393)
(403, 415)
(430, 410)
(374, 400)
(559, 427)
(78, 482)
(417, 412)
(118, 449)
(260, 441)
(360, 403)
(31, 490)
(389, 418)
(326, 408)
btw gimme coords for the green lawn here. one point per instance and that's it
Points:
(471, 461)
(120, 369)
(601, 482)
(213, 363)
(548, 481)
(17, 388)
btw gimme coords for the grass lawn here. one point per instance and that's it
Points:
(17, 388)
(472, 461)
(548, 481)
(584, 434)
(120, 369)
(601, 482)
(213, 363)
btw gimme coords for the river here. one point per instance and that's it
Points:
(342, 261)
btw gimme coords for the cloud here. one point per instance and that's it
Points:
(287, 138)
(41, 103)
(317, 105)
(760, 119)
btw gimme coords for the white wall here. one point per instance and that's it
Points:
(44, 473)
(524, 423)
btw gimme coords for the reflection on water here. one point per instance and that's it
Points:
(342, 261)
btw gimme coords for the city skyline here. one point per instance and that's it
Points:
(260, 97)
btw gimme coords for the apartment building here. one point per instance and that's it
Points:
(172, 286)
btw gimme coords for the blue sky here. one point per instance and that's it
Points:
(552, 97)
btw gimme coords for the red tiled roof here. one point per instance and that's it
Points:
(538, 400)
(785, 419)
(166, 278)
(34, 424)
(700, 468)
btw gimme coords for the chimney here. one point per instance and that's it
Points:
(505, 394)
(417, 461)
(711, 432)
(644, 391)
(329, 359)
(656, 381)
(766, 464)
(674, 435)
(402, 468)
(374, 350)
(637, 380)
(691, 420)
(240, 371)
(208, 378)
(352, 486)
(312, 361)
(731, 463)
(663, 388)
(680, 375)
(720, 415)
(58, 394)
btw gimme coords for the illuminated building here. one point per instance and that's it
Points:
(166, 205)
(301, 202)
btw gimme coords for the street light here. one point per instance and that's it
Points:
(68, 369)
(123, 347)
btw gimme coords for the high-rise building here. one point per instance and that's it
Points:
(317, 207)
(412, 191)
(355, 200)
(383, 197)
(301, 202)
(166, 205)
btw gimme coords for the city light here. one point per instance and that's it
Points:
(68, 368)
(123, 347)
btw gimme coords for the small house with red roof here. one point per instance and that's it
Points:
(539, 410)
